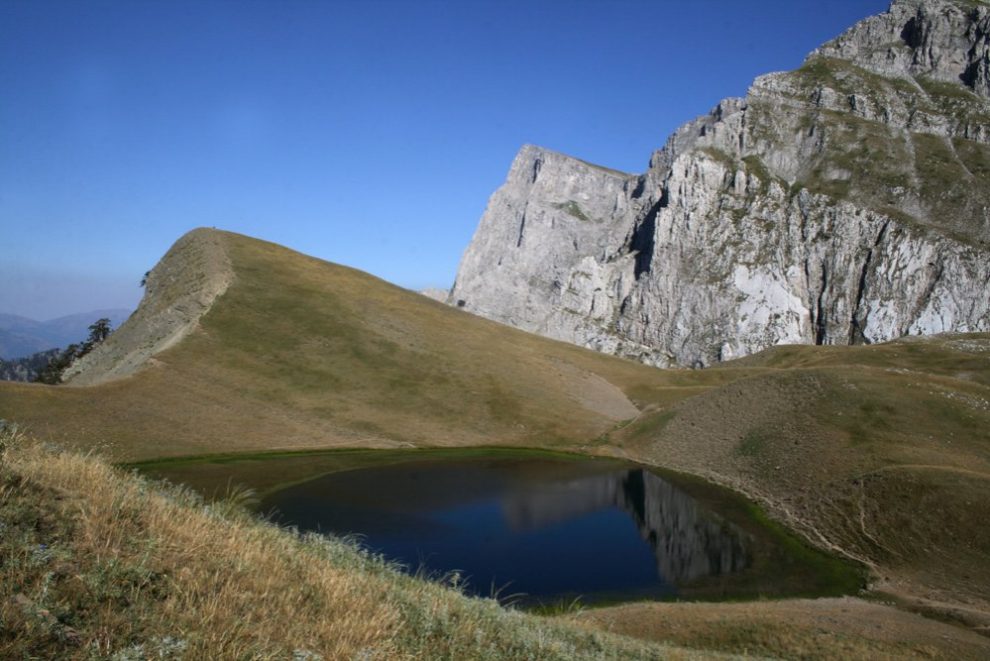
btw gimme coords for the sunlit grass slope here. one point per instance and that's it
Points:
(300, 353)
(881, 453)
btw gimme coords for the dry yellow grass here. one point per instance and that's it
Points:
(880, 453)
(96, 563)
(300, 353)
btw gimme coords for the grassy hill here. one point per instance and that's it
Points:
(300, 353)
(881, 453)
(878, 453)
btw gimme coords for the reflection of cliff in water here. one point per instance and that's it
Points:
(688, 541)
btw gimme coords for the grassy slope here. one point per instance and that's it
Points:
(823, 629)
(880, 452)
(925, 180)
(97, 563)
(300, 353)
(877, 452)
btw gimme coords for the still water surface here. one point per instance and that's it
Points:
(532, 529)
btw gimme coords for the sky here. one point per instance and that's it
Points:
(368, 133)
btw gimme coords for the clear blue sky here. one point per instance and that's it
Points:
(365, 133)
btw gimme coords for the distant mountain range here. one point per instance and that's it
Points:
(20, 336)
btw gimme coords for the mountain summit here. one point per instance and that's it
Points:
(846, 202)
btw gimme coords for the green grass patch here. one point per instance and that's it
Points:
(784, 566)
(572, 208)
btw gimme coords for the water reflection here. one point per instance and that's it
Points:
(546, 528)
(688, 542)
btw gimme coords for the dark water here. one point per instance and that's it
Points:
(528, 530)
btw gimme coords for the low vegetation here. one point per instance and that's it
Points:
(303, 354)
(880, 453)
(52, 372)
(794, 629)
(927, 179)
(99, 563)
(28, 367)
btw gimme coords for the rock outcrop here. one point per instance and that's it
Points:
(845, 202)
(178, 292)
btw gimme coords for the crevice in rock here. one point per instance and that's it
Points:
(977, 74)
(522, 228)
(913, 34)
(938, 267)
(643, 239)
(820, 316)
(639, 189)
(856, 335)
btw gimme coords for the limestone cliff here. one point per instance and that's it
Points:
(845, 202)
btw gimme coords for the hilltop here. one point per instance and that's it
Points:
(240, 345)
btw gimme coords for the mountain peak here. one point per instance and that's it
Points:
(844, 202)
(946, 40)
(179, 290)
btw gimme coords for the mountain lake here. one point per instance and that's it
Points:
(530, 528)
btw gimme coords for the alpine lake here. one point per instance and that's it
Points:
(534, 529)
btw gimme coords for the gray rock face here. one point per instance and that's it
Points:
(845, 202)
(27, 368)
(688, 541)
(178, 292)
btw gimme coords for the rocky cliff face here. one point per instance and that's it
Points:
(178, 292)
(845, 202)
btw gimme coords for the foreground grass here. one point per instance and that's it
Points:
(97, 562)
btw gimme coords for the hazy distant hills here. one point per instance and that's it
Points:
(20, 336)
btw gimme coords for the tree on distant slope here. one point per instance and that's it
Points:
(99, 331)
(52, 372)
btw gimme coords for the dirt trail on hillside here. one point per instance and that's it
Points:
(178, 292)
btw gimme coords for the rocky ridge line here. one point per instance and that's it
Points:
(179, 290)
(845, 202)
